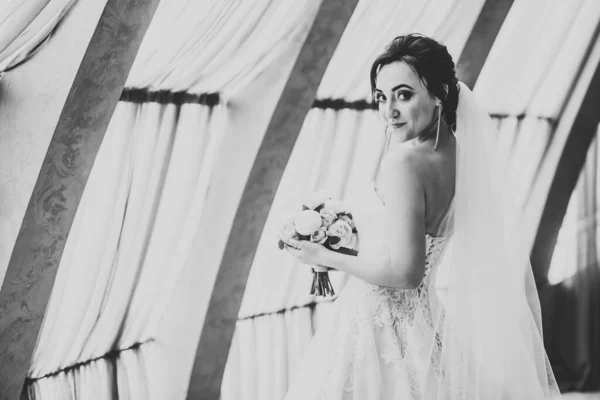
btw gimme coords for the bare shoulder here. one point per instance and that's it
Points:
(402, 177)
(405, 163)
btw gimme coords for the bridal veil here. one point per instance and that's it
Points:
(486, 341)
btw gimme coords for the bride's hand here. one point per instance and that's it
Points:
(306, 252)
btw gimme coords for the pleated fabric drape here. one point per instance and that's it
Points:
(529, 91)
(24, 27)
(216, 46)
(120, 321)
(127, 246)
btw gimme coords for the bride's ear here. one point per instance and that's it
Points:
(445, 86)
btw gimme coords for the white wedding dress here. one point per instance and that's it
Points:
(470, 331)
(369, 348)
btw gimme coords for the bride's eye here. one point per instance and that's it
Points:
(404, 96)
(379, 98)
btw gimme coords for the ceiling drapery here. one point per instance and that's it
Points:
(25, 25)
(216, 46)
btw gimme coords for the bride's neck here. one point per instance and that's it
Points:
(426, 135)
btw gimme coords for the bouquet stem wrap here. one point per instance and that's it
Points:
(321, 285)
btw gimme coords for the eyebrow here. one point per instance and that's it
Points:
(396, 87)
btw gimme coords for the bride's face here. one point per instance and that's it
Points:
(403, 101)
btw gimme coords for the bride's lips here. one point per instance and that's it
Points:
(399, 125)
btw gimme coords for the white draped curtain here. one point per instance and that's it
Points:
(25, 25)
(126, 248)
(122, 320)
(577, 247)
(572, 297)
(533, 91)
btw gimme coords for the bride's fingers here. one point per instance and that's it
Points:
(295, 244)
(292, 250)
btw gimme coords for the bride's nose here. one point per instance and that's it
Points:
(392, 111)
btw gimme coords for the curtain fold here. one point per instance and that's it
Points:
(222, 45)
(374, 24)
(121, 376)
(528, 105)
(25, 25)
(268, 350)
(571, 301)
(126, 250)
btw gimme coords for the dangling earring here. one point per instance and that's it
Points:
(437, 135)
(385, 134)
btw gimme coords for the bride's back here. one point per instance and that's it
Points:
(437, 170)
(439, 176)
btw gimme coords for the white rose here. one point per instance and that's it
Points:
(307, 222)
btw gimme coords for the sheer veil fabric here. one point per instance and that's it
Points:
(471, 331)
(487, 338)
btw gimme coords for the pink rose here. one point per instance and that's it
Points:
(327, 217)
(319, 236)
(342, 230)
(348, 220)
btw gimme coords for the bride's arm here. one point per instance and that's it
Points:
(404, 214)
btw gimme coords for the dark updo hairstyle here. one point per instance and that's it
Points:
(431, 62)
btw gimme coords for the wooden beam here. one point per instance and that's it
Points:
(581, 132)
(259, 192)
(481, 39)
(79, 132)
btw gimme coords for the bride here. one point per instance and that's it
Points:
(441, 302)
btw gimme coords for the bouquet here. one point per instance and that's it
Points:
(327, 222)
